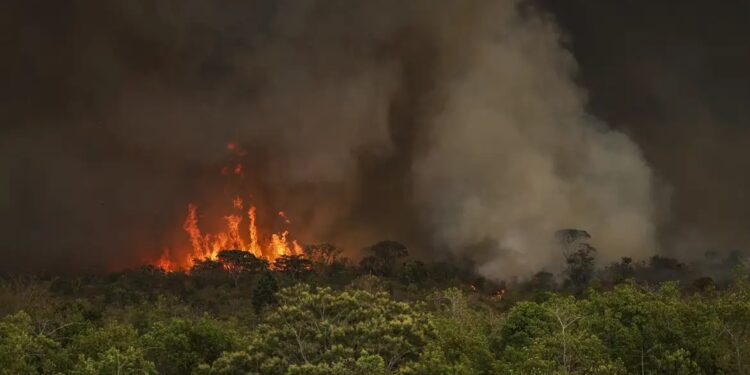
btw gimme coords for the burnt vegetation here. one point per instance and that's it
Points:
(323, 313)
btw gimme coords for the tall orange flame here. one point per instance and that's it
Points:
(234, 237)
(208, 245)
(254, 246)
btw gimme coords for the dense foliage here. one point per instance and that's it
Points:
(321, 314)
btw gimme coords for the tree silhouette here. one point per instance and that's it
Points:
(294, 265)
(239, 262)
(264, 293)
(579, 258)
(324, 253)
(383, 262)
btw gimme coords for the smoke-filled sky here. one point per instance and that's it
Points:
(471, 128)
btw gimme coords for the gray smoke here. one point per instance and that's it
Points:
(442, 124)
(513, 155)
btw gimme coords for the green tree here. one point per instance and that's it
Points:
(462, 344)
(130, 361)
(265, 291)
(178, 346)
(323, 332)
(24, 351)
(650, 330)
(25, 293)
(93, 341)
(369, 283)
(733, 308)
(553, 338)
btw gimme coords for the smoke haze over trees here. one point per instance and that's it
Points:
(471, 128)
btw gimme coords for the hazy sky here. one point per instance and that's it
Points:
(116, 114)
(675, 77)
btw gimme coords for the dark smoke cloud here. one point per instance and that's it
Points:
(443, 124)
(675, 77)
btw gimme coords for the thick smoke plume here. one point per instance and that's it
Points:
(451, 126)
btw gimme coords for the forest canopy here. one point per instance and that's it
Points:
(320, 313)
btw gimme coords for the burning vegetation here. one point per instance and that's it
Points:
(240, 233)
(236, 236)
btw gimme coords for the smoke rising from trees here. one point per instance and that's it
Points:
(455, 127)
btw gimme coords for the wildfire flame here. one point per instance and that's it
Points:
(208, 245)
(236, 236)
(164, 261)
